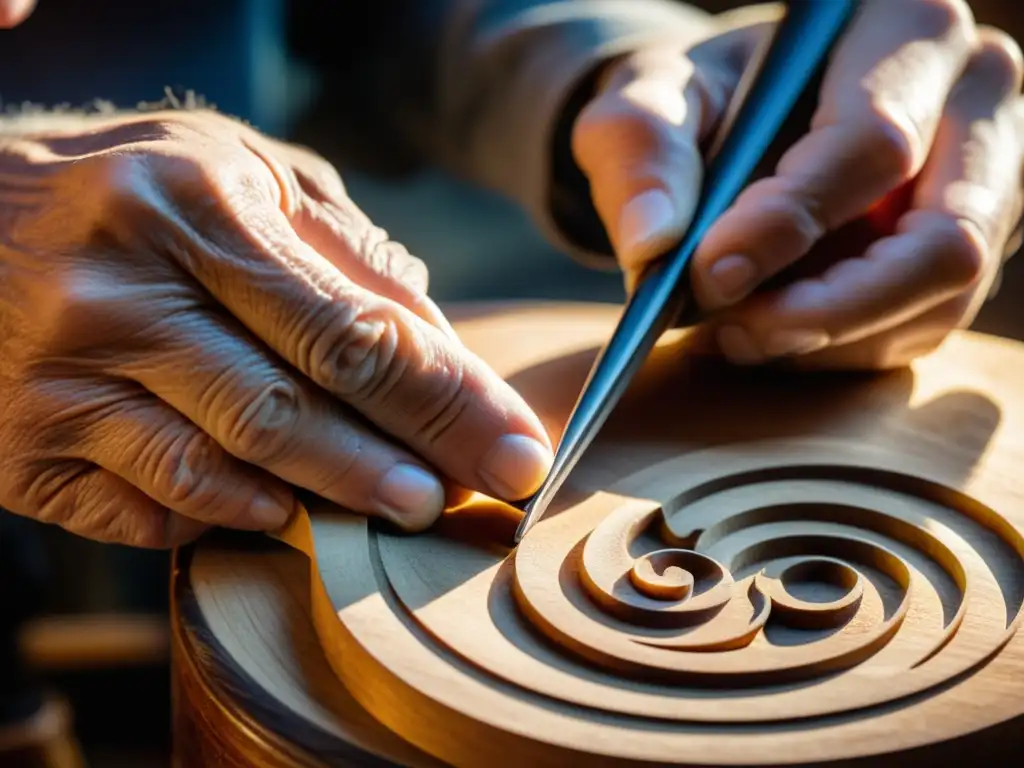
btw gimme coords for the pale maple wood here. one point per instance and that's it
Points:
(747, 568)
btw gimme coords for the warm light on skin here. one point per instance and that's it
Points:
(14, 12)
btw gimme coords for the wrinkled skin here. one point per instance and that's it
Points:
(196, 319)
(919, 131)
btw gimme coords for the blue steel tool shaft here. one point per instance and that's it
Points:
(788, 69)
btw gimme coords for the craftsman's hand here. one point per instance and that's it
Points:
(196, 319)
(918, 133)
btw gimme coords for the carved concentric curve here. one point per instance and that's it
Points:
(765, 570)
(759, 585)
(746, 569)
(705, 590)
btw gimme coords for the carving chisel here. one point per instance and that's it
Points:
(764, 113)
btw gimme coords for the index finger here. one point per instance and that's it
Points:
(879, 109)
(402, 374)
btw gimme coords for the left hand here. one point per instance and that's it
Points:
(919, 132)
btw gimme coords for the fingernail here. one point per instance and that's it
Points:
(648, 218)
(783, 343)
(269, 512)
(738, 347)
(731, 278)
(515, 466)
(410, 496)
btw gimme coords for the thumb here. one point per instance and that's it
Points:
(638, 143)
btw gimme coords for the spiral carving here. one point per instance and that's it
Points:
(743, 570)
(781, 572)
(763, 572)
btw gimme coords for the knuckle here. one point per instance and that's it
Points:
(144, 183)
(77, 297)
(346, 472)
(963, 256)
(50, 491)
(614, 128)
(409, 270)
(212, 179)
(264, 424)
(187, 173)
(898, 128)
(187, 176)
(76, 497)
(82, 305)
(128, 181)
(792, 219)
(392, 260)
(895, 142)
(590, 131)
(943, 18)
(358, 355)
(315, 173)
(999, 60)
(326, 176)
(180, 468)
(800, 222)
(444, 408)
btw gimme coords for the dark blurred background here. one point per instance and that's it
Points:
(99, 634)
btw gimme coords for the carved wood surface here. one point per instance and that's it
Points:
(748, 568)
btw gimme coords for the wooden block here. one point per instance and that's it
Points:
(749, 568)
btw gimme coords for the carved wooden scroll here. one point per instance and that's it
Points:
(746, 571)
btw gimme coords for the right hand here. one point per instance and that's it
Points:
(915, 150)
(196, 319)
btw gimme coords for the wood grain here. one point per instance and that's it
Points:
(748, 568)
